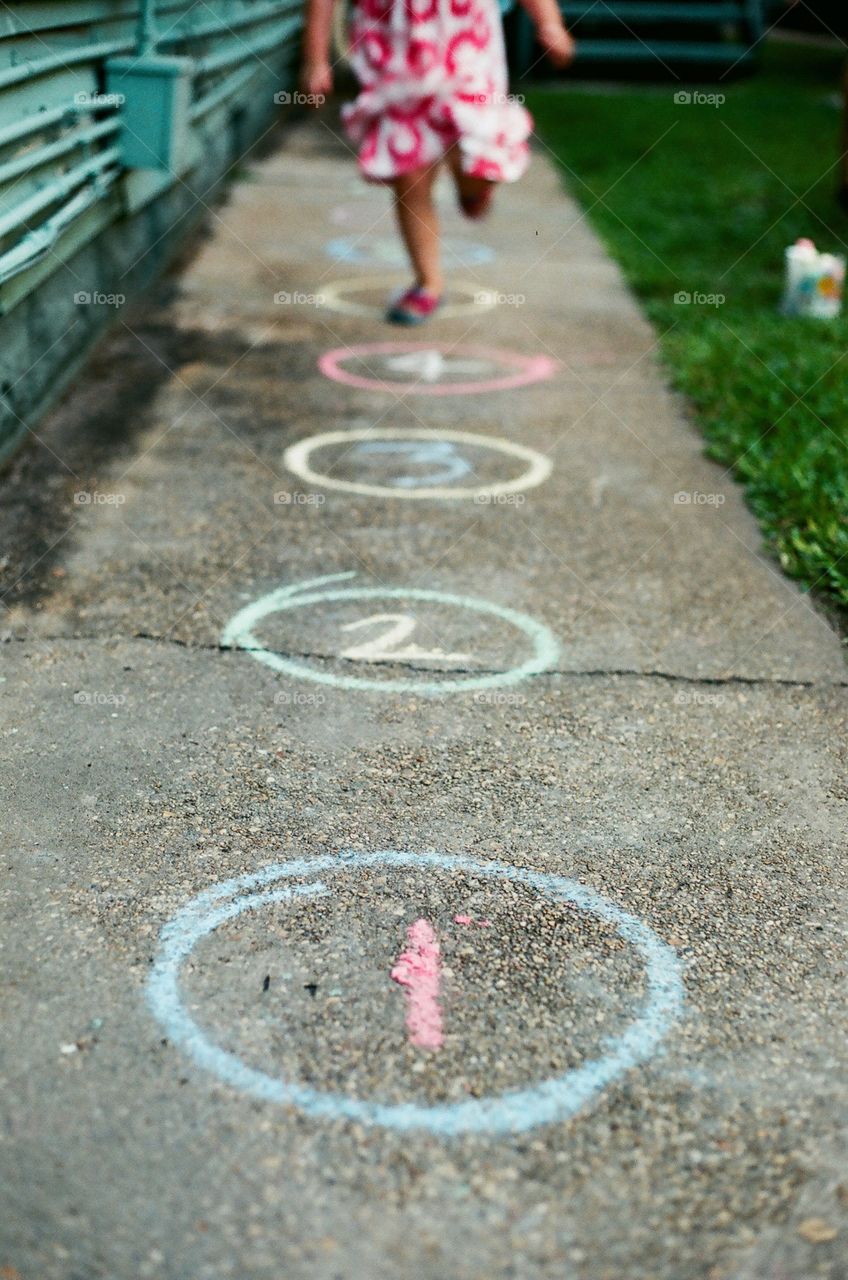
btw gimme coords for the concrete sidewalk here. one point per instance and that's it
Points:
(596, 730)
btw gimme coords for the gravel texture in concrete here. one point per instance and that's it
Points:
(597, 682)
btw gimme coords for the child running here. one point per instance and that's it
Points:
(433, 89)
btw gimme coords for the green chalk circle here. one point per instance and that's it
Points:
(240, 633)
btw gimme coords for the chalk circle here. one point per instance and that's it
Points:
(297, 459)
(240, 634)
(334, 297)
(549, 1101)
(388, 251)
(517, 370)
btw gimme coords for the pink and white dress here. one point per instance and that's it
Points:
(433, 73)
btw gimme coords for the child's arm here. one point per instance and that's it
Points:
(551, 31)
(316, 75)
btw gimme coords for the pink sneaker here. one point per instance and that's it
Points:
(413, 307)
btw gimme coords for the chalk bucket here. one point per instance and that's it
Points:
(814, 282)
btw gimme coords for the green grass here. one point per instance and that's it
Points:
(704, 199)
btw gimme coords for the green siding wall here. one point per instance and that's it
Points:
(75, 221)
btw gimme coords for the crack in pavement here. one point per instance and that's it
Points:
(586, 673)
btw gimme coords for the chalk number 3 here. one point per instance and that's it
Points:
(442, 455)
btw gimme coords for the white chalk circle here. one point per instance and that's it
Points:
(548, 1101)
(334, 297)
(387, 251)
(298, 460)
(240, 633)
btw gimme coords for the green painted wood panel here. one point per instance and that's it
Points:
(70, 208)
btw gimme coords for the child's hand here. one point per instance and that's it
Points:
(316, 80)
(557, 43)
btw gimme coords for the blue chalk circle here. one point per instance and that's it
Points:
(549, 1101)
(387, 251)
(240, 633)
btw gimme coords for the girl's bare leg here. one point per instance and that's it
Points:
(468, 187)
(419, 225)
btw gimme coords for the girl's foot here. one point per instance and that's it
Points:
(477, 205)
(414, 306)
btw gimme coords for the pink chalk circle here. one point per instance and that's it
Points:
(518, 370)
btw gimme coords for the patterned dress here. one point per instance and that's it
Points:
(433, 73)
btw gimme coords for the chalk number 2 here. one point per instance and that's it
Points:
(388, 645)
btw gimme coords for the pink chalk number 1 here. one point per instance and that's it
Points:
(418, 971)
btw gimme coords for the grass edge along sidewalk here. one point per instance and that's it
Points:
(696, 198)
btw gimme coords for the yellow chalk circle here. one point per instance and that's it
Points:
(297, 458)
(335, 297)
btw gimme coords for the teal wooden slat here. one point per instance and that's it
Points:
(35, 158)
(56, 157)
(227, 89)
(193, 29)
(176, 20)
(47, 92)
(65, 231)
(36, 123)
(70, 56)
(23, 211)
(240, 51)
(30, 167)
(55, 16)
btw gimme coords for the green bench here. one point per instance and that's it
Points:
(719, 34)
